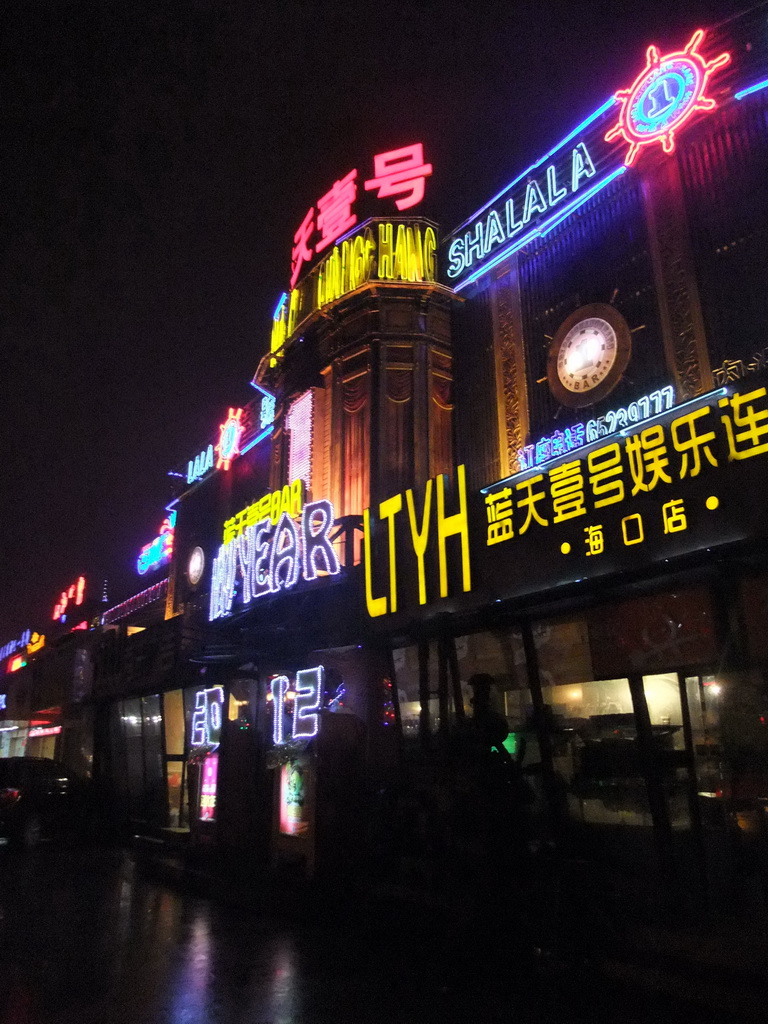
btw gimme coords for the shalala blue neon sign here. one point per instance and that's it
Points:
(525, 204)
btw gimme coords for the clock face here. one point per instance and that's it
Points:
(588, 355)
(195, 566)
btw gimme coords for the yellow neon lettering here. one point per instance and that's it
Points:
(400, 272)
(362, 255)
(345, 267)
(430, 254)
(293, 310)
(639, 531)
(376, 605)
(673, 515)
(274, 510)
(420, 537)
(285, 501)
(595, 540)
(415, 254)
(752, 439)
(449, 527)
(297, 496)
(605, 475)
(355, 262)
(386, 253)
(388, 510)
(278, 337)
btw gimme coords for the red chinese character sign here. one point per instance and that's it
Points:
(335, 217)
(664, 96)
(397, 173)
(401, 172)
(74, 595)
(302, 251)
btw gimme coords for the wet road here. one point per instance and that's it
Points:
(85, 938)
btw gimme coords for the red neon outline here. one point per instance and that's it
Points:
(225, 461)
(702, 69)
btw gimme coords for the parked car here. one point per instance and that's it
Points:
(39, 799)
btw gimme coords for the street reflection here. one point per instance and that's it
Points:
(189, 988)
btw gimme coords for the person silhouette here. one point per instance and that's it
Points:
(501, 802)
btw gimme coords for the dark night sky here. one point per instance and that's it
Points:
(155, 165)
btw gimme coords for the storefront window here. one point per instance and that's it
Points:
(173, 712)
(242, 706)
(498, 654)
(740, 700)
(137, 761)
(155, 797)
(501, 656)
(406, 662)
(134, 755)
(597, 753)
(562, 647)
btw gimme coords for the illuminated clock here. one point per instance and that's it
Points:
(588, 355)
(195, 566)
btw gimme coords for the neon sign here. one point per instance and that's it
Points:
(207, 717)
(664, 96)
(45, 730)
(399, 172)
(202, 464)
(208, 788)
(573, 437)
(3, 701)
(380, 250)
(13, 645)
(76, 593)
(655, 455)
(230, 433)
(286, 500)
(303, 705)
(456, 525)
(160, 550)
(532, 199)
(267, 558)
(36, 643)
(145, 597)
(17, 662)
(267, 411)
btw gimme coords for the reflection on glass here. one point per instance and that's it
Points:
(596, 754)
(662, 695)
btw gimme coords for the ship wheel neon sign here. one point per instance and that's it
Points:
(666, 93)
(230, 433)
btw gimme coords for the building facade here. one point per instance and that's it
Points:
(535, 450)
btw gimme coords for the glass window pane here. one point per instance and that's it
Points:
(596, 753)
(175, 775)
(563, 650)
(134, 756)
(173, 708)
(154, 761)
(662, 695)
(406, 662)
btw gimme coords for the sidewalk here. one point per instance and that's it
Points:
(719, 964)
